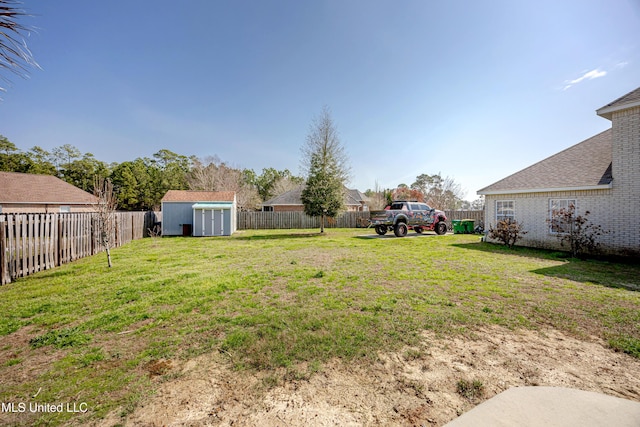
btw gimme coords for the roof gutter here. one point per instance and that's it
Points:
(545, 190)
(607, 112)
(49, 203)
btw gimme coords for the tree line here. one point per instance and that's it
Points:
(436, 191)
(140, 184)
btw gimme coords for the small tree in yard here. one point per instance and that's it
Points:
(507, 231)
(105, 213)
(577, 231)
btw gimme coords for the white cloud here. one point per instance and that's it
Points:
(589, 75)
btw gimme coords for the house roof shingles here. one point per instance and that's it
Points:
(198, 196)
(41, 189)
(355, 197)
(586, 164)
(631, 99)
(291, 197)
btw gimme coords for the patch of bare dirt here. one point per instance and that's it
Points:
(15, 346)
(418, 386)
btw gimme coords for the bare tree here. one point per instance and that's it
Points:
(377, 199)
(324, 144)
(478, 204)
(284, 184)
(212, 174)
(15, 56)
(442, 193)
(205, 174)
(104, 223)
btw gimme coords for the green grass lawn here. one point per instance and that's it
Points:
(283, 299)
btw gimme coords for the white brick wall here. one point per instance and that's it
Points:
(617, 209)
(532, 211)
(625, 203)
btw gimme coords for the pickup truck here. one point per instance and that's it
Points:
(403, 215)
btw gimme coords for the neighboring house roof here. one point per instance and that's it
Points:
(294, 197)
(41, 189)
(586, 165)
(355, 197)
(291, 197)
(198, 196)
(632, 99)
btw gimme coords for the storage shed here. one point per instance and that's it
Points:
(199, 213)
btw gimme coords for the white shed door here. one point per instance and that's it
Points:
(218, 222)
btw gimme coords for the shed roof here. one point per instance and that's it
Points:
(198, 196)
(581, 166)
(29, 188)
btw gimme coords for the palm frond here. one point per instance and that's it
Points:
(15, 56)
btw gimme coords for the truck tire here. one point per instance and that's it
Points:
(400, 230)
(381, 230)
(418, 230)
(441, 228)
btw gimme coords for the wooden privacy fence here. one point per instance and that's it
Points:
(284, 220)
(298, 219)
(477, 216)
(33, 242)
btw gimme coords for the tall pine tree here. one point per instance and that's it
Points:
(326, 166)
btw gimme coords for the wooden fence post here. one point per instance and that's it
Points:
(5, 277)
(10, 245)
(48, 240)
(59, 242)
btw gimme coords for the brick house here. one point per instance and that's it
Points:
(600, 175)
(354, 201)
(29, 193)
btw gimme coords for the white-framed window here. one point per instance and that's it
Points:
(505, 209)
(0, 208)
(65, 209)
(556, 223)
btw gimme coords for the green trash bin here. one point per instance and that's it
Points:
(468, 225)
(458, 228)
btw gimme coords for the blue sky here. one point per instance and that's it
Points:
(473, 90)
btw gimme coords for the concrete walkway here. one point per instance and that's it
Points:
(551, 407)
